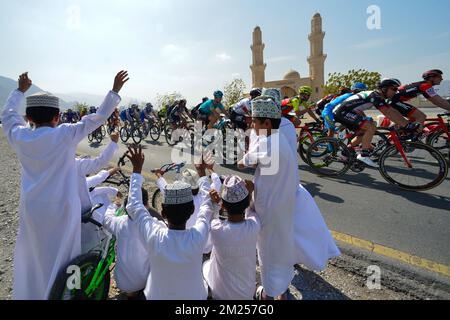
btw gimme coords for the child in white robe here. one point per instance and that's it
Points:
(175, 252)
(49, 210)
(314, 244)
(132, 260)
(275, 190)
(200, 189)
(231, 270)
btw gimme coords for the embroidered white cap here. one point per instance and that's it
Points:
(234, 189)
(274, 93)
(178, 192)
(191, 177)
(43, 99)
(265, 107)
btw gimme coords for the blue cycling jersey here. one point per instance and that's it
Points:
(327, 113)
(208, 107)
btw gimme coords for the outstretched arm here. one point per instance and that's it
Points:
(89, 123)
(90, 166)
(11, 120)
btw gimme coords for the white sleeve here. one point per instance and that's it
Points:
(97, 179)
(137, 212)
(250, 214)
(216, 183)
(90, 166)
(161, 183)
(111, 222)
(12, 122)
(79, 131)
(109, 192)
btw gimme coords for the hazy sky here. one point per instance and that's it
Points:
(196, 46)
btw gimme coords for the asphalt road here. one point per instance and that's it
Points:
(363, 205)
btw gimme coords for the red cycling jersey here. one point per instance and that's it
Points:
(411, 91)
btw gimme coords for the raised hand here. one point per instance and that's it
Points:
(24, 82)
(120, 80)
(137, 158)
(215, 197)
(115, 137)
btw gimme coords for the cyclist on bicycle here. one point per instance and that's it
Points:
(426, 88)
(194, 111)
(322, 103)
(148, 113)
(209, 112)
(242, 110)
(351, 114)
(130, 115)
(293, 104)
(327, 113)
(113, 120)
(70, 116)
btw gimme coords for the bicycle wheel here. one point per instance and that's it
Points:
(155, 132)
(440, 141)
(98, 136)
(157, 200)
(329, 157)
(136, 135)
(168, 134)
(90, 137)
(103, 131)
(87, 264)
(124, 136)
(428, 167)
(306, 141)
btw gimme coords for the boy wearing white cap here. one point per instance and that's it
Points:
(275, 188)
(314, 244)
(200, 187)
(49, 210)
(231, 270)
(175, 252)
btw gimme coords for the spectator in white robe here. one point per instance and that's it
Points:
(175, 252)
(49, 209)
(314, 244)
(231, 270)
(200, 190)
(132, 260)
(274, 199)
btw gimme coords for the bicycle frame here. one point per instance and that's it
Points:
(436, 124)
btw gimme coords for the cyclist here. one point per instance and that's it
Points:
(322, 103)
(242, 109)
(209, 112)
(70, 116)
(92, 110)
(148, 113)
(351, 114)
(113, 120)
(194, 111)
(293, 104)
(407, 92)
(327, 113)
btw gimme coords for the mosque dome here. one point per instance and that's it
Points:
(291, 75)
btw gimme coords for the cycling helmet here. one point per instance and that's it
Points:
(191, 177)
(344, 90)
(432, 73)
(218, 94)
(149, 105)
(389, 83)
(255, 92)
(305, 90)
(359, 86)
(134, 106)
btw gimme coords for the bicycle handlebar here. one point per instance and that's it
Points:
(171, 167)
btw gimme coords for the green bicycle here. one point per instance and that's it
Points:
(88, 276)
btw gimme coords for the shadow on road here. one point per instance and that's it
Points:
(314, 287)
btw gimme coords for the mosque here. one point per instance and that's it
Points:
(292, 79)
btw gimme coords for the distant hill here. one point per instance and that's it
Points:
(7, 85)
(65, 100)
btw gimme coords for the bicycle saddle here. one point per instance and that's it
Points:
(87, 216)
